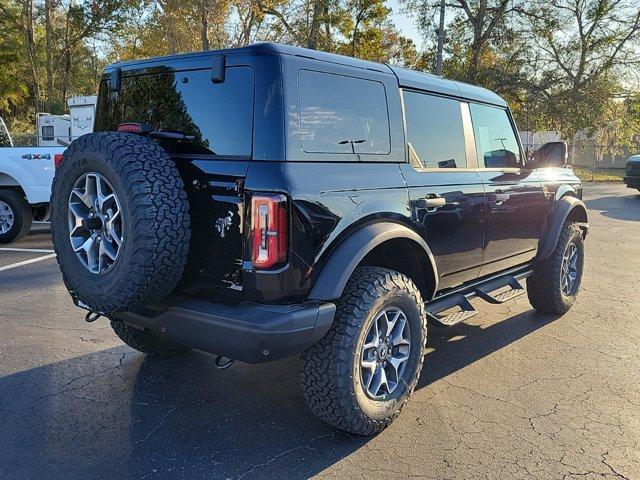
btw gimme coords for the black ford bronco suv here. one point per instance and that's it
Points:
(269, 201)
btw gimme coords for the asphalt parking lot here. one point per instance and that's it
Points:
(513, 394)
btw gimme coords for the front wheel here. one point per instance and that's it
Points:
(15, 216)
(555, 282)
(360, 375)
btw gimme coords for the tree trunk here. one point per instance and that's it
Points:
(49, 67)
(312, 40)
(204, 24)
(30, 45)
(168, 8)
(67, 53)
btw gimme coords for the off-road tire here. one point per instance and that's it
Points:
(544, 286)
(329, 374)
(156, 221)
(23, 217)
(146, 341)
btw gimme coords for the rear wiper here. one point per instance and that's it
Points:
(146, 129)
(172, 135)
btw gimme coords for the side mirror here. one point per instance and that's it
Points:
(552, 154)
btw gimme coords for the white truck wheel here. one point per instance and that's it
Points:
(15, 216)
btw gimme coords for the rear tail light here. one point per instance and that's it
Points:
(269, 230)
(57, 159)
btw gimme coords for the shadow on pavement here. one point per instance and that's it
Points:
(118, 414)
(617, 207)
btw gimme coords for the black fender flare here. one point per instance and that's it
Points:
(343, 261)
(565, 207)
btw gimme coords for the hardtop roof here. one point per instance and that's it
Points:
(406, 78)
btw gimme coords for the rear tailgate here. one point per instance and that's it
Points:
(218, 118)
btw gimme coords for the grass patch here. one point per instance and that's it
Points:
(600, 175)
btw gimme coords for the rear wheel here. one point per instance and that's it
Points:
(147, 342)
(360, 375)
(555, 283)
(15, 216)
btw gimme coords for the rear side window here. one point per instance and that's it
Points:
(218, 115)
(496, 141)
(340, 114)
(435, 134)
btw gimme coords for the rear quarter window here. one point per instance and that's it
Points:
(342, 115)
(218, 115)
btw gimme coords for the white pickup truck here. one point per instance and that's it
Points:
(26, 174)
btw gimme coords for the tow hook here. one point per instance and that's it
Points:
(222, 363)
(92, 317)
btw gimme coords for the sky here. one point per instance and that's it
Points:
(404, 23)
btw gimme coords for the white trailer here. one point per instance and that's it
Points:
(53, 130)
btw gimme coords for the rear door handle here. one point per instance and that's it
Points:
(432, 203)
(498, 198)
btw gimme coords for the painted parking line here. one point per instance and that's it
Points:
(28, 250)
(27, 262)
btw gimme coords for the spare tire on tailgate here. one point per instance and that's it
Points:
(120, 221)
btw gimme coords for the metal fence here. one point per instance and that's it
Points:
(27, 140)
(588, 155)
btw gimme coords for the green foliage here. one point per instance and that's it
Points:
(561, 64)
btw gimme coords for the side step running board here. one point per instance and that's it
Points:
(438, 310)
(435, 309)
(485, 290)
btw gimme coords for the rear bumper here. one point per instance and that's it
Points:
(632, 181)
(252, 333)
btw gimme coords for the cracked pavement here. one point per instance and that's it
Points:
(512, 394)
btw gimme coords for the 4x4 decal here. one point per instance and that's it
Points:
(36, 156)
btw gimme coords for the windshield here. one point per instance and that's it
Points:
(5, 138)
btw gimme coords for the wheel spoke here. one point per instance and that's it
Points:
(378, 380)
(369, 364)
(397, 337)
(373, 336)
(391, 321)
(396, 362)
(84, 198)
(91, 188)
(107, 249)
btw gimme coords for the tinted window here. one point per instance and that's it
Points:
(218, 115)
(496, 142)
(434, 131)
(341, 114)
